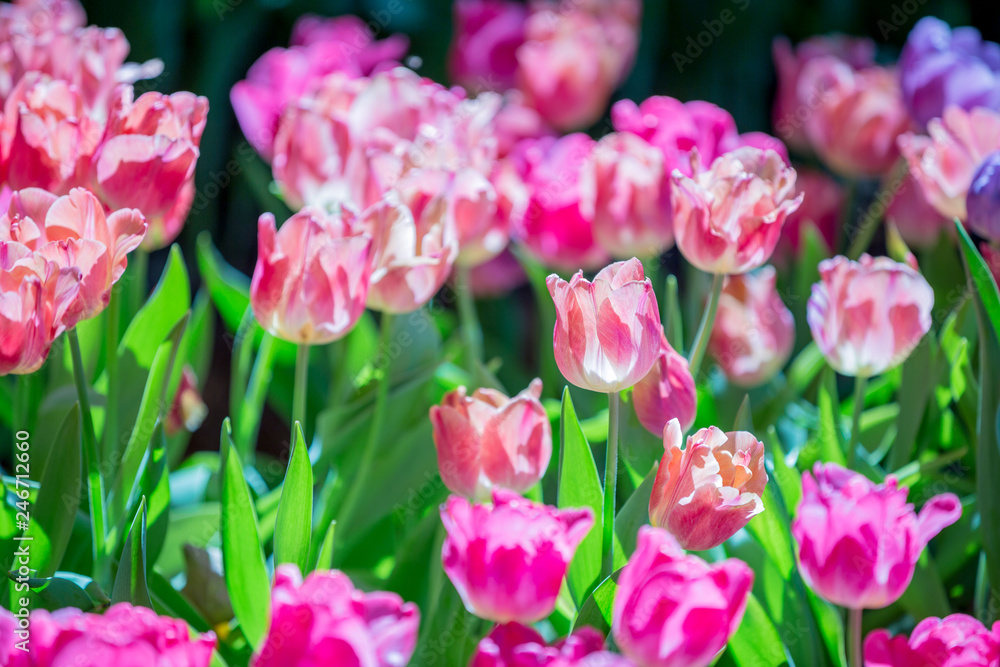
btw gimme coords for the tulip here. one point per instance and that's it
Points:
(311, 281)
(941, 67)
(954, 641)
(487, 34)
(676, 610)
(667, 392)
(754, 332)
(147, 157)
(857, 118)
(515, 122)
(607, 333)
(859, 542)
(514, 645)
(324, 620)
(822, 206)
(918, 222)
(74, 232)
(795, 102)
(708, 491)
(508, 561)
(945, 162)
(487, 439)
(188, 410)
(483, 233)
(868, 316)
(983, 202)
(122, 635)
(628, 197)
(728, 219)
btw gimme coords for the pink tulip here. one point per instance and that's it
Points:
(918, 222)
(728, 219)
(822, 205)
(676, 610)
(708, 491)
(487, 439)
(859, 542)
(147, 157)
(311, 280)
(795, 102)
(868, 316)
(483, 232)
(945, 162)
(414, 249)
(123, 635)
(754, 332)
(515, 122)
(188, 409)
(607, 333)
(508, 560)
(954, 641)
(487, 35)
(857, 118)
(627, 193)
(74, 232)
(667, 392)
(324, 620)
(514, 645)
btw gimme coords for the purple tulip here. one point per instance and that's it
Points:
(983, 202)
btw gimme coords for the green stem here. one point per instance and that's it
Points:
(95, 485)
(672, 321)
(137, 282)
(250, 410)
(114, 311)
(472, 332)
(854, 637)
(860, 382)
(301, 388)
(700, 343)
(360, 477)
(21, 417)
(610, 488)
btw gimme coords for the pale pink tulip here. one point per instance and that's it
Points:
(312, 276)
(728, 219)
(515, 645)
(508, 560)
(706, 492)
(607, 333)
(859, 542)
(676, 610)
(954, 641)
(667, 392)
(868, 316)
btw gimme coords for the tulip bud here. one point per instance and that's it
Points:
(859, 542)
(983, 202)
(508, 561)
(188, 410)
(607, 332)
(667, 392)
(708, 491)
(954, 641)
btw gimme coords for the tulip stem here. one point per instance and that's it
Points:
(854, 637)
(700, 343)
(301, 388)
(95, 485)
(472, 332)
(610, 488)
(114, 311)
(860, 383)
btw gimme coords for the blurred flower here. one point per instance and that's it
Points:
(868, 316)
(147, 156)
(74, 232)
(858, 117)
(607, 333)
(517, 121)
(954, 641)
(311, 281)
(667, 392)
(482, 232)
(941, 67)
(859, 542)
(627, 194)
(497, 277)
(708, 491)
(919, 223)
(823, 201)
(728, 219)
(486, 37)
(945, 162)
(754, 332)
(188, 409)
(553, 224)
(122, 635)
(676, 610)
(795, 102)
(508, 560)
(324, 620)
(983, 202)
(487, 439)
(414, 250)
(992, 256)
(515, 645)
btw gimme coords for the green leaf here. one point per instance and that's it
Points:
(831, 627)
(828, 444)
(983, 284)
(65, 589)
(293, 528)
(130, 582)
(633, 515)
(59, 496)
(914, 392)
(580, 486)
(598, 608)
(324, 560)
(155, 486)
(757, 642)
(242, 555)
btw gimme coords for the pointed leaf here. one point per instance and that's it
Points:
(757, 642)
(130, 582)
(293, 527)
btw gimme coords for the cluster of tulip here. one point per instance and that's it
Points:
(399, 183)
